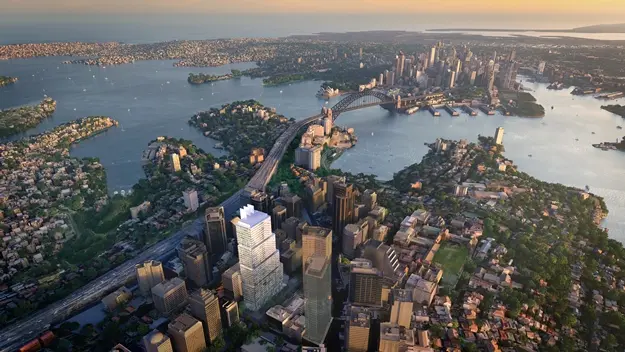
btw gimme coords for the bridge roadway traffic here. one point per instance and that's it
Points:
(19, 333)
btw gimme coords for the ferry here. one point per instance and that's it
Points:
(468, 110)
(412, 110)
(487, 110)
(433, 111)
(451, 110)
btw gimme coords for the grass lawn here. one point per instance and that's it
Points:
(451, 257)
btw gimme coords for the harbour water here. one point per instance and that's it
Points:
(152, 98)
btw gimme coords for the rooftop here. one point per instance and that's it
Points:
(183, 322)
(250, 217)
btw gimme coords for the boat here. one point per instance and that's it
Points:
(619, 127)
(530, 155)
(577, 139)
(587, 188)
(552, 107)
(592, 132)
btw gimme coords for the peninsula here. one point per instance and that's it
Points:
(615, 109)
(20, 119)
(5, 80)
(600, 28)
(611, 145)
(201, 78)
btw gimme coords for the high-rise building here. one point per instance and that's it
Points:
(402, 62)
(261, 270)
(432, 59)
(392, 82)
(360, 53)
(232, 282)
(490, 75)
(293, 204)
(278, 216)
(394, 338)
(332, 180)
(170, 295)
(452, 79)
(316, 241)
(215, 237)
(365, 285)
(352, 238)
(318, 294)
(499, 135)
(308, 156)
(473, 78)
(175, 162)
(342, 206)
(327, 123)
(187, 334)
(190, 199)
(381, 79)
(196, 261)
(358, 330)
(204, 306)
(261, 201)
(541, 67)
(149, 274)
(229, 312)
(370, 199)
(156, 341)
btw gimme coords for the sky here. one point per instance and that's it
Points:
(613, 9)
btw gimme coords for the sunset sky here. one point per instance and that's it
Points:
(611, 8)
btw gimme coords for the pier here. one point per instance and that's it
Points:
(451, 110)
(468, 110)
(487, 110)
(433, 111)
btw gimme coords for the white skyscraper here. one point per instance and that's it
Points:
(432, 60)
(261, 270)
(190, 199)
(499, 135)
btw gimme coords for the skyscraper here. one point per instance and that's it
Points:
(187, 334)
(401, 311)
(365, 285)
(318, 293)
(381, 79)
(452, 79)
(402, 63)
(170, 295)
(204, 306)
(175, 162)
(261, 270)
(229, 312)
(232, 282)
(215, 236)
(157, 342)
(432, 59)
(343, 206)
(358, 330)
(195, 260)
(149, 274)
(499, 135)
(293, 204)
(278, 216)
(316, 241)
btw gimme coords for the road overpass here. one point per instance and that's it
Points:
(17, 334)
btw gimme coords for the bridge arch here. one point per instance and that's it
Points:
(361, 100)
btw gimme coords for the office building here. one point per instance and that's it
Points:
(385, 259)
(370, 199)
(261, 201)
(327, 123)
(229, 312)
(293, 205)
(204, 306)
(308, 157)
(195, 260)
(352, 238)
(261, 270)
(215, 238)
(291, 258)
(499, 135)
(432, 59)
(278, 216)
(190, 199)
(541, 67)
(392, 78)
(381, 79)
(452, 79)
(149, 274)
(175, 162)
(156, 341)
(316, 198)
(290, 227)
(187, 334)
(318, 294)
(316, 241)
(473, 78)
(401, 311)
(342, 206)
(358, 330)
(424, 292)
(365, 285)
(332, 180)
(170, 295)
(232, 282)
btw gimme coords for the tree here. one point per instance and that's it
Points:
(470, 347)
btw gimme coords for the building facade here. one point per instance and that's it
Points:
(156, 341)
(204, 306)
(215, 238)
(232, 282)
(190, 199)
(196, 261)
(259, 259)
(149, 274)
(318, 294)
(316, 241)
(187, 334)
(342, 206)
(169, 296)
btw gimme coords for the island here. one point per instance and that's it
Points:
(20, 119)
(6, 80)
(201, 78)
(615, 109)
(618, 145)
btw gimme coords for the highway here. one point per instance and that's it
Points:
(19, 333)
